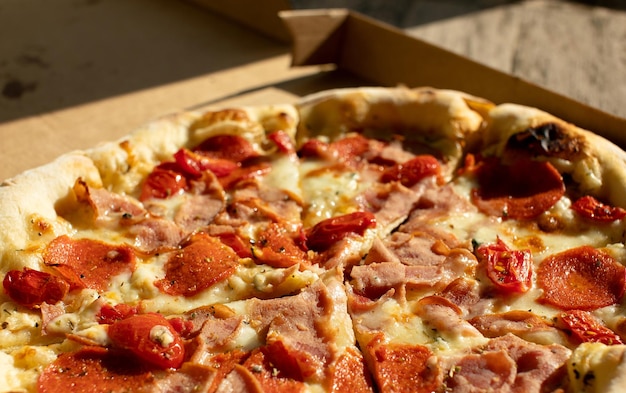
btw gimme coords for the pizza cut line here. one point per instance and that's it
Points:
(363, 240)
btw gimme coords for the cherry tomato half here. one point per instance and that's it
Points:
(509, 270)
(151, 338)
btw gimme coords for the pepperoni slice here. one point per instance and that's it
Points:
(582, 326)
(31, 288)
(350, 374)
(88, 263)
(581, 278)
(192, 165)
(522, 190)
(402, 367)
(326, 233)
(509, 270)
(229, 147)
(203, 262)
(277, 247)
(272, 379)
(592, 209)
(412, 171)
(151, 338)
(351, 148)
(313, 148)
(94, 369)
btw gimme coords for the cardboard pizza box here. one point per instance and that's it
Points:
(388, 56)
(328, 48)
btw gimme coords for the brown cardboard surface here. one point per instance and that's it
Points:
(94, 71)
(387, 56)
(262, 18)
(332, 48)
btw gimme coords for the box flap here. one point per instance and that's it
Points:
(385, 55)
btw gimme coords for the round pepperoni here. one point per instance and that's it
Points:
(313, 148)
(151, 338)
(271, 379)
(402, 367)
(192, 165)
(87, 263)
(230, 147)
(412, 171)
(581, 278)
(94, 369)
(31, 288)
(203, 262)
(350, 149)
(522, 190)
(350, 374)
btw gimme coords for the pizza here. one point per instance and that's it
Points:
(364, 239)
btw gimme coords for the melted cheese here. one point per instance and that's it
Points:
(327, 192)
(519, 235)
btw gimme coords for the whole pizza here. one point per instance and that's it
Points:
(358, 240)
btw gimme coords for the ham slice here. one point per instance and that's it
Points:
(521, 323)
(391, 204)
(296, 322)
(428, 261)
(507, 364)
(154, 235)
(108, 208)
(197, 212)
(375, 279)
(214, 336)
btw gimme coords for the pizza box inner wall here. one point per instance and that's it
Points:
(232, 65)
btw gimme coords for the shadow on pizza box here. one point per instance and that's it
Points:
(378, 53)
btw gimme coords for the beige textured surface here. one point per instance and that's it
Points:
(574, 49)
(74, 73)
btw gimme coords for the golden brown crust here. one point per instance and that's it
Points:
(594, 163)
(443, 119)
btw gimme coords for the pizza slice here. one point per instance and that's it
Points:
(303, 342)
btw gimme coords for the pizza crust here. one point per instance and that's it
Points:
(28, 204)
(595, 163)
(441, 118)
(597, 368)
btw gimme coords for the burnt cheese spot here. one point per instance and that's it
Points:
(549, 139)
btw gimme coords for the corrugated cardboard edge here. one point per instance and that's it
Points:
(388, 56)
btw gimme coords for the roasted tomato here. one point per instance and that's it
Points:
(509, 270)
(151, 338)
